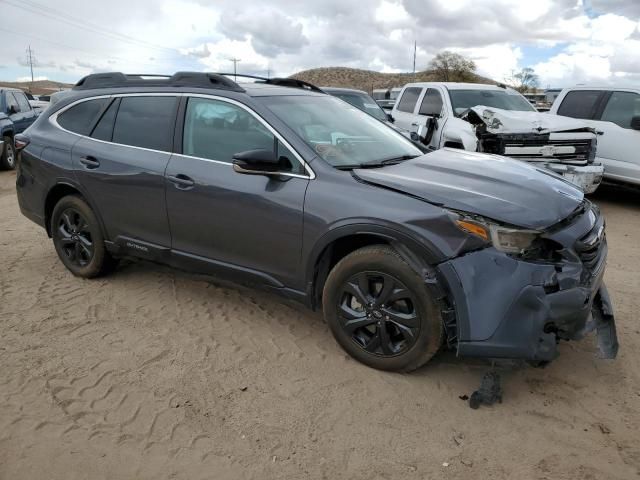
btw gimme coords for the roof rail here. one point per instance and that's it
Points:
(281, 82)
(179, 79)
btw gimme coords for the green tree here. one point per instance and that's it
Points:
(452, 67)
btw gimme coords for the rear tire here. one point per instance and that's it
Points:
(8, 155)
(381, 312)
(78, 239)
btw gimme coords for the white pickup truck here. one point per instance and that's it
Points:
(615, 114)
(494, 119)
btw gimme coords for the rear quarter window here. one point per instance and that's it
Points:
(409, 99)
(81, 117)
(580, 104)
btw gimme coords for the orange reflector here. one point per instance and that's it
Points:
(473, 228)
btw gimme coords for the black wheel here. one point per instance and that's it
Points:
(78, 238)
(8, 155)
(380, 310)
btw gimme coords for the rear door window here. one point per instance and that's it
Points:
(431, 103)
(81, 117)
(146, 122)
(621, 108)
(409, 99)
(580, 104)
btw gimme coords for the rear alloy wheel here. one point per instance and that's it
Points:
(380, 310)
(78, 238)
(8, 155)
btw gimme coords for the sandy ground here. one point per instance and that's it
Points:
(152, 373)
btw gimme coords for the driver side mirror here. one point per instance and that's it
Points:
(258, 162)
(425, 131)
(12, 110)
(635, 123)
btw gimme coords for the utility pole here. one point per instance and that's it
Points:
(235, 63)
(30, 60)
(415, 46)
(268, 70)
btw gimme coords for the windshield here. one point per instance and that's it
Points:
(364, 103)
(463, 100)
(339, 133)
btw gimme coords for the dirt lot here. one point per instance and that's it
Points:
(152, 373)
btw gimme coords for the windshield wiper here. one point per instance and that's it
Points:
(394, 160)
(378, 164)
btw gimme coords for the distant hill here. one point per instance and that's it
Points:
(367, 80)
(39, 87)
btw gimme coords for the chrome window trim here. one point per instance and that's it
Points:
(53, 119)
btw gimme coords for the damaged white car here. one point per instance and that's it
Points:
(499, 120)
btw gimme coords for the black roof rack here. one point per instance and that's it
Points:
(179, 79)
(281, 82)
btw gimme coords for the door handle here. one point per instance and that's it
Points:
(181, 181)
(90, 162)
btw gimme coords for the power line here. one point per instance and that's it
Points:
(85, 52)
(47, 12)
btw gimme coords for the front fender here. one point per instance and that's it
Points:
(457, 130)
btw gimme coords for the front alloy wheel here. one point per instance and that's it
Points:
(378, 312)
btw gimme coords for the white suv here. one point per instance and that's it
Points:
(499, 120)
(615, 114)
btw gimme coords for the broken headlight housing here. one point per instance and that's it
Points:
(505, 239)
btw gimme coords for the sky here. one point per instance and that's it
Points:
(566, 42)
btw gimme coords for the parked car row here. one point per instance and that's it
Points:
(599, 144)
(280, 185)
(16, 115)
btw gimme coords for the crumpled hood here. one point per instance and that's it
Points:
(492, 186)
(509, 121)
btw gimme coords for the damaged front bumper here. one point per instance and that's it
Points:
(588, 177)
(506, 307)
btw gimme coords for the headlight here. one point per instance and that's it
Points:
(508, 240)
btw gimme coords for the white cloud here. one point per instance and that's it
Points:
(28, 79)
(163, 36)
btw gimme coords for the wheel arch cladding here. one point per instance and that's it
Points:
(54, 195)
(338, 244)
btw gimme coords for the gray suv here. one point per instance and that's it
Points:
(278, 185)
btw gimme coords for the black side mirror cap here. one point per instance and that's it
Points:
(635, 123)
(256, 162)
(390, 118)
(12, 110)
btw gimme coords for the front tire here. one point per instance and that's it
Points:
(78, 238)
(381, 312)
(8, 155)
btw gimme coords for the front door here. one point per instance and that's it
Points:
(248, 224)
(618, 143)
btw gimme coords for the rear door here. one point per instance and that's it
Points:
(221, 219)
(404, 112)
(120, 159)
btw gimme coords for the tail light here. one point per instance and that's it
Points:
(20, 141)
